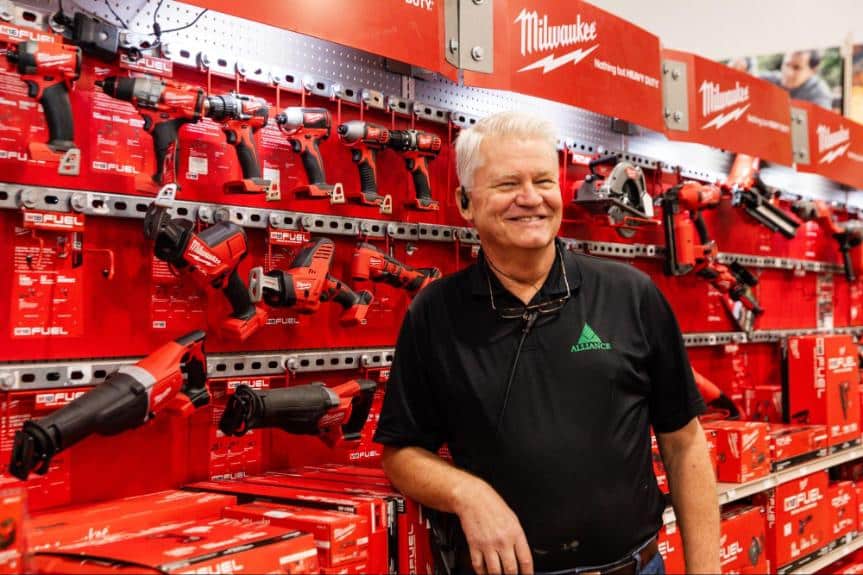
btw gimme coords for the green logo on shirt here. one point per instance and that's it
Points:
(589, 340)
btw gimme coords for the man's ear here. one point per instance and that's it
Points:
(462, 200)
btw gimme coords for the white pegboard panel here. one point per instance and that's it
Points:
(805, 185)
(702, 162)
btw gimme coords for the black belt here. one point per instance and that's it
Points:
(626, 566)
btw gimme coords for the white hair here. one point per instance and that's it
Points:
(503, 124)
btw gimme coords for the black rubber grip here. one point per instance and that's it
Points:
(312, 164)
(238, 295)
(422, 187)
(165, 134)
(345, 296)
(368, 178)
(848, 265)
(247, 155)
(361, 405)
(703, 235)
(58, 116)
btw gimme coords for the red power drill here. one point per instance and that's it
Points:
(308, 283)
(49, 70)
(172, 378)
(241, 117)
(210, 256)
(305, 129)
(418, 148)
(165, 107)
(336, 414)
(369, 262)
(366, 140)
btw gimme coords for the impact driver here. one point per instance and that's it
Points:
(305, 129)
(418, 149)
(165, 107)
(49, 71)
(366, 140)
(172, 378)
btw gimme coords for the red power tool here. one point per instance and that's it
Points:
(714, 398)
(335, 414)
(366, 140)
(848, 234)
(681, 212)
(305, 129)
(747, 190)
(370, 263)
(172, 379)
(241, 117)
(210, 256)
(165, 106)
(49, 71)
(418, 149)
(308, 283)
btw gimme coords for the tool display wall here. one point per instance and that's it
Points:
(87, 295)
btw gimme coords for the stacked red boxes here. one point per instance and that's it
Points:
(843, 509)
(13, 543)
(742, 540)
(671, 548)
(341, 538)
(215, 546)
(858, 490)
(823, 385)
(91, 522)
(798, 518)
(743, 450)
(793, 444)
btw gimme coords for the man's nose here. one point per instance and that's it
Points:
(528, 195)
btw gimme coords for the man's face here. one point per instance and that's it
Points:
(515, 202)
(795, 70)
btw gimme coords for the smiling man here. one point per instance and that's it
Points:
(542, 370)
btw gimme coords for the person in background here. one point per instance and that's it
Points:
(799, 76)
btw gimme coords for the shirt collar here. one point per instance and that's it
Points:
(554, 286)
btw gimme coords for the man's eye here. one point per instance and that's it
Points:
(505, 185)
(545, 182)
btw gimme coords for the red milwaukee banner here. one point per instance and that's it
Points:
(410, 31)
(575, 53)
(728, 109)
(835, 145)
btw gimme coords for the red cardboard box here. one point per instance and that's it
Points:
(98, 520)
(671, 548)
(710, 436)
(858, 490)
(355, 568)
(843, 509)
(823, 385)
(793, 444)
(340, 537)
(215, 546)
(742, 448)
(742, 539)
(798, 518)
(13, 539)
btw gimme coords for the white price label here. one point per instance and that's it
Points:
(198, 165)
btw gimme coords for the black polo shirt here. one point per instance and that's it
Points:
(573, 457)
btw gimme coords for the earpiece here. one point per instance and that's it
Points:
(465, 199)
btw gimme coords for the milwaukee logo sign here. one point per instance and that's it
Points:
(538, 36)
(589, 341)
(836, 142)
(714, 99)
(200, 253)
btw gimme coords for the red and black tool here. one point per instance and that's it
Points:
(307, 283)
(335, 414)
(241, 117)
(165, 107)
(757, 199)
(171, 379)
(418, 149)
(714, 398)
(848, 234)
(366, 140)
(305, 129)
(49, 70)
(211, 257)
(370, 263)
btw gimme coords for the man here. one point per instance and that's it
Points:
(799, 76)
(541, 370)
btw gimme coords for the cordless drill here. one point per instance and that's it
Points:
(241, 117)
(305, 129)
(49, 70)
(335, 414)
(308, 283)
(165, 106)
(171, 379)
(418, 149)
(366, 140)
(211, 257)
(370, 263)
(848, 234)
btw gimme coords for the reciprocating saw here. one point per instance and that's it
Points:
(747, 190)
(307, 283)
(370, 263)
(171, 379)
(165, 107)
(335, 414)
(305, 129)
(418, 149)
(211, 257)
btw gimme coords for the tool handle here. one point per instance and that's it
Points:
(848, 263)
(238, 295)
(367, 164)
(310, 154)
(419, 169)
(58, 116)
(165, 136)
(361, 405)
(247, 153)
